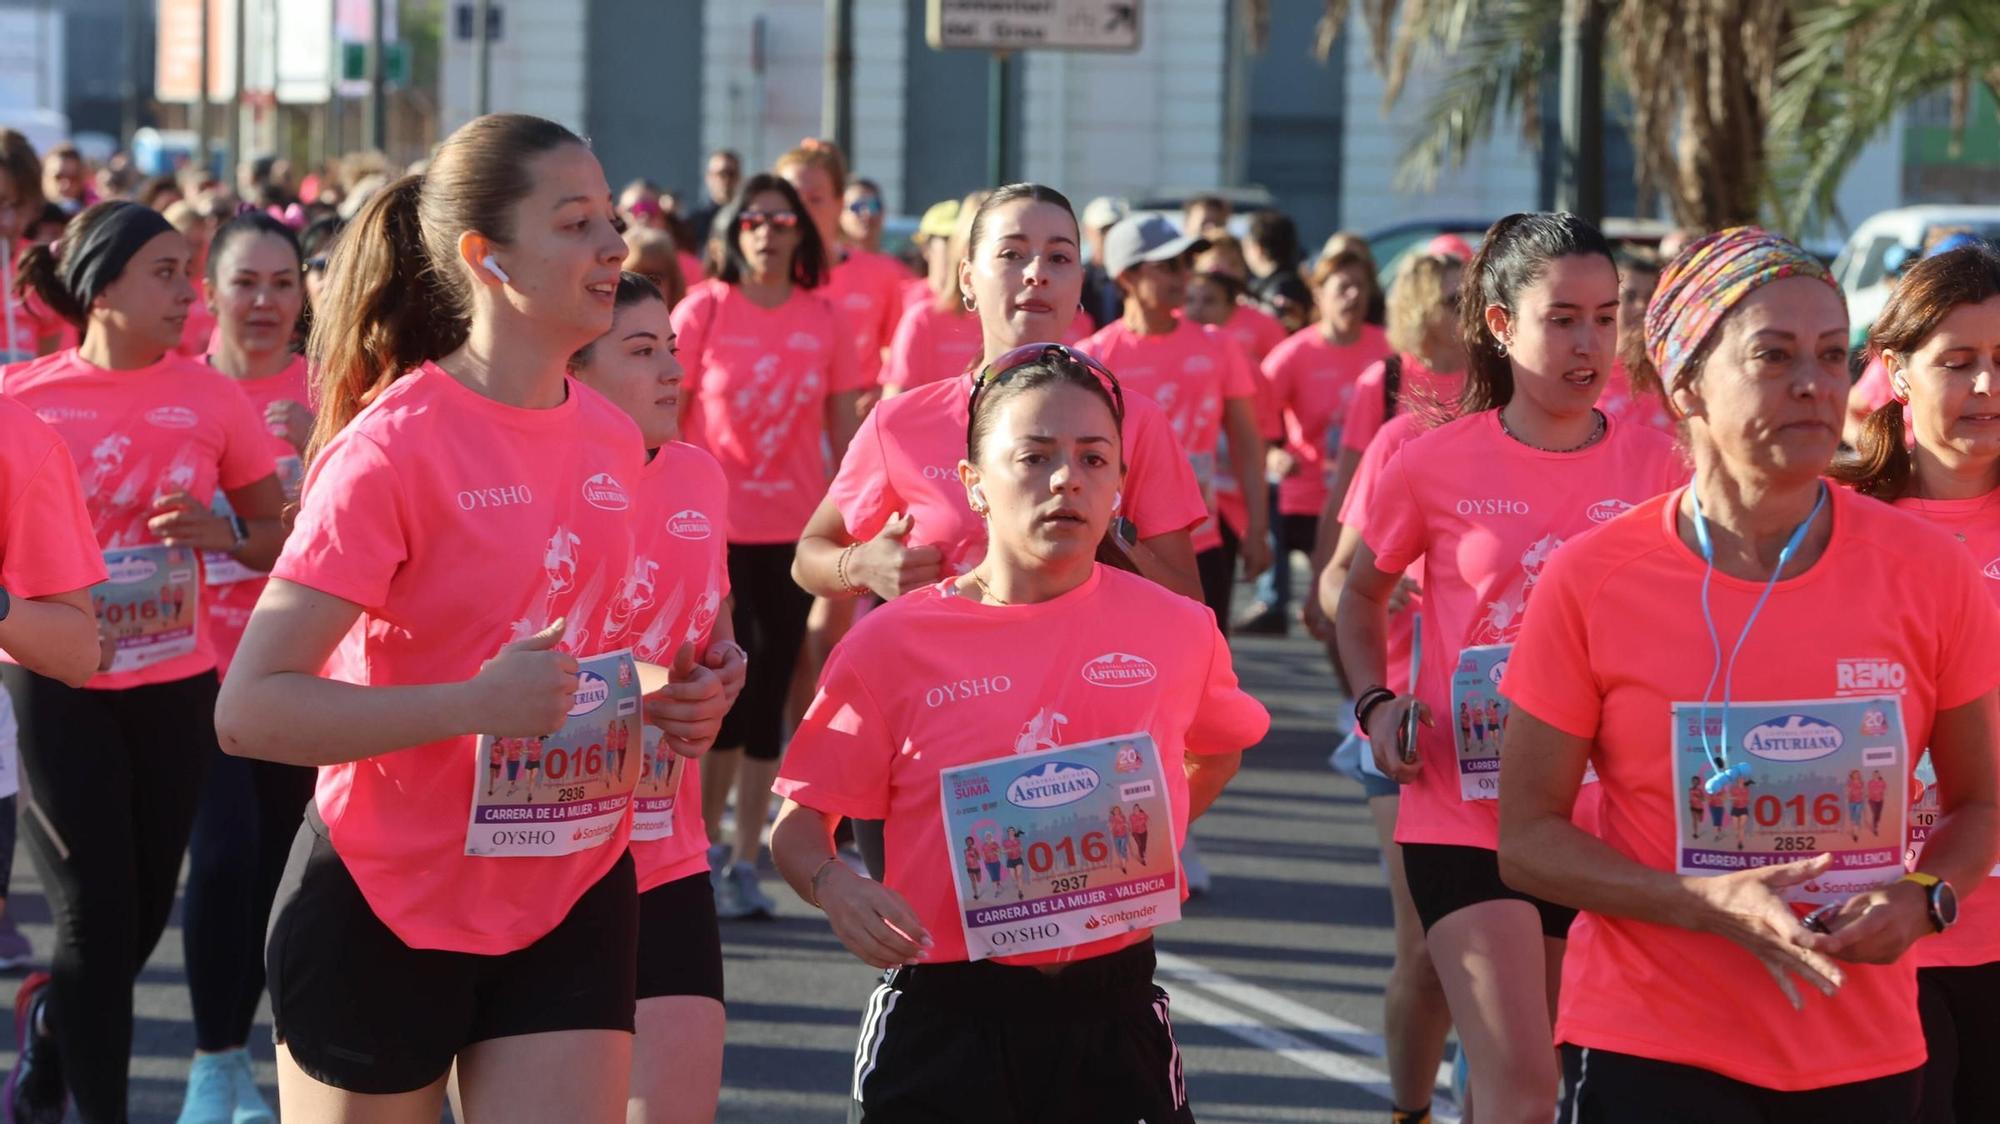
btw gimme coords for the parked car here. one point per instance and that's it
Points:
(1884, 243)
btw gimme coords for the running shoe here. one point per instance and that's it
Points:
(251, 1108)
(35, 1093)
(15, 951)
(1262, 620)
(718, 861)
(739, 896)
(1198, 878)
(211, 1091)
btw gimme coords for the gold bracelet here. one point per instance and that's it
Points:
(840, 569)
(813, 882)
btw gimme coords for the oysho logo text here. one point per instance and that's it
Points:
(1044, 930)
(513, 495)
(1492, 507)
(523, 838)
(959, 690)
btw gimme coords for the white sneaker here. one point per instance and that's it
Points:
(1198, 878)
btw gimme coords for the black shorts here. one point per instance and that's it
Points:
(362, 1011)
(1445, 879)
(985, 1043)
(1601, 1087)
(1961, 1013)
(1296, 534)
(680, 947)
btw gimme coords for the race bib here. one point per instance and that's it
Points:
(1075, 844)
(660, 772)
(565, 792)
(150, 601)
(1925, 808)
(1479, 717)
(221, 568)
(1823, 776)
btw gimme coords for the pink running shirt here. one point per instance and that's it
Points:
(678, 586)
(460, 524)
(866, 288)
(177, 425)
(975, 681)
(1891, 593)
(1310, 382)
(1621, 401)
(1418, 389)
(905, 459)
(228, 604)
(757, 385)
(1485, 513)
(47, 545)
(1354, 512)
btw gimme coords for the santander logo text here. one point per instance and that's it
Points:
(689, 524)
(1120, 669)
(603, 491)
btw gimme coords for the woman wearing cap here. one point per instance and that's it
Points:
(1484, 501)
(1791, 630)
(116, 769)
(1939, 340)
(933, 237)
(1201, 379)
(1067, 1004)
(771, 383)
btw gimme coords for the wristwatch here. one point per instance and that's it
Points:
(241, 530)
(6, 603)
(1940, 899)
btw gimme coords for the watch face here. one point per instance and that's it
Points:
(1944, 905)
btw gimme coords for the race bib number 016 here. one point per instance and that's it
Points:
(1824, 776)
(151, 603)
(565, 792)
(1063, 847)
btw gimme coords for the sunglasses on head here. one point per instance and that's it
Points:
(1034, 354)
(866, 205)
(751, 220)
(316, 265)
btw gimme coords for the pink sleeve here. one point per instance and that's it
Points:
(47, 545)
(846, 372)
(1275, 374)
(1361, 490)
(1227, 719)
(1969, 652)
(246, 449)
(909, 337)
(351, 537)
(1365, 413)
(692, 319)
(861, 488)
(1238, 380)
(1549, 673)
(1272, 335)
(1398, 534)
(1161, 493)
(839, 757)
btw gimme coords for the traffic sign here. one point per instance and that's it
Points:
(1047, 25)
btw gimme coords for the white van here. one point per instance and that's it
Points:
(1883, 243)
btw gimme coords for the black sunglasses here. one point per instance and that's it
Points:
(1035, 354)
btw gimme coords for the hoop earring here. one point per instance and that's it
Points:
(1500, 346)
(967, 302)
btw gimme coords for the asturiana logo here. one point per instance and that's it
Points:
(1120, 669)
(603, 491)
(1992, 570)
(689, 524)
(1052, 784)
(1604, 511)
(1793, 737)
(173, 417)
(131, 568)
(591, 692)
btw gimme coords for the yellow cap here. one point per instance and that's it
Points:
(939, 221)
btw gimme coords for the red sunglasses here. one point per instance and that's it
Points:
(1035, 354)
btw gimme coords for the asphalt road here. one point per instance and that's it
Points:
(1276, 975)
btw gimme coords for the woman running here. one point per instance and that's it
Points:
(1012, 847)
(770, 383)
(938, 335)
(864, 286)
(463, 488)
(1854, 800)
(1938, 339)
(116, 769)
(1201, 380)
(666, 611)
(1139, 823)
(1121, 837)
(1076, 1013)
(1516, 473)
(250, 810)
(1760, 592)
(895, 519)
(972, 866)
(1697, 800)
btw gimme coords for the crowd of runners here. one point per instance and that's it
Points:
(486, 582)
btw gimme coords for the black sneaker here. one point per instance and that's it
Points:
(35, 1093)
(1262, 620)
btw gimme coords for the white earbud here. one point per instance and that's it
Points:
(1117, 500)
(978, 498)
(493, 267)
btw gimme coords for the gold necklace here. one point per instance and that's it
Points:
(1596, 431)
(985, 592)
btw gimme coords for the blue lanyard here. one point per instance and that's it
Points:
(1718, 753)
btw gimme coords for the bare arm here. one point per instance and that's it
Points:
(1361, 638)
(275, 706)
(884, 565)
(871, 920)
(1207, 775)
(181, 519)
(1336, 496)
(1169, 560)
(54, 636)
(1246, 458)
(1543, 853)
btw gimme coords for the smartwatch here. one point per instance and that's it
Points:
(241, 530)
(1940, 899)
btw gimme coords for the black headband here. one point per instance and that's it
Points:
(96, 257)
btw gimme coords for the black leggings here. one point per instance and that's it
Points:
(250, 810)
(112, 779)
(1961, 1013)
(770, 619)
(1217, 569)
